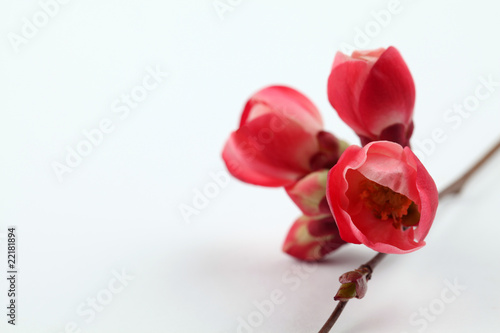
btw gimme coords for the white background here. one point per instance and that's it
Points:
(119, 209)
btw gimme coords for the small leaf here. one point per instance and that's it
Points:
(346, 292)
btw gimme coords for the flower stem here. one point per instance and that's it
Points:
(452, 189)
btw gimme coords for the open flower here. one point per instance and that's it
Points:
(382, 196)
(280, 139)
(374, 93)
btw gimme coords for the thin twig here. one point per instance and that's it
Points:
(374, 262)
(458, 185)
(333, 318)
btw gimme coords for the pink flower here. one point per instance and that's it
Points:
(373, 92)
(382, 196)
(311, 238)
(280, 139)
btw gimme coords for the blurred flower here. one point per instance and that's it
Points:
(374, 93)
(382, 196)
(279, 140)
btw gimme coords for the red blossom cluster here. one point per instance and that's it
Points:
(379, 195)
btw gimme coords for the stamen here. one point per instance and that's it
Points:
(385, 204)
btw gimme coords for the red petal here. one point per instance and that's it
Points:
(344, 88)
(429, 197)
(388, 94)
(387, 164)
(336, 189)
(285, 102)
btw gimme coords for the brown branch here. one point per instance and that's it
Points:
(333, 318)
(452, 189)
(458, 185)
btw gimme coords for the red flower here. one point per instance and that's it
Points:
(311, 238)
(374, 93)
(382, 196)
(280, 139)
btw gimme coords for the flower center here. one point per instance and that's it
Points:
(387, 204)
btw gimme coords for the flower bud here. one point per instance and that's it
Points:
(311, 238)
(354, 284)
(280, 139)
(374, 93)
